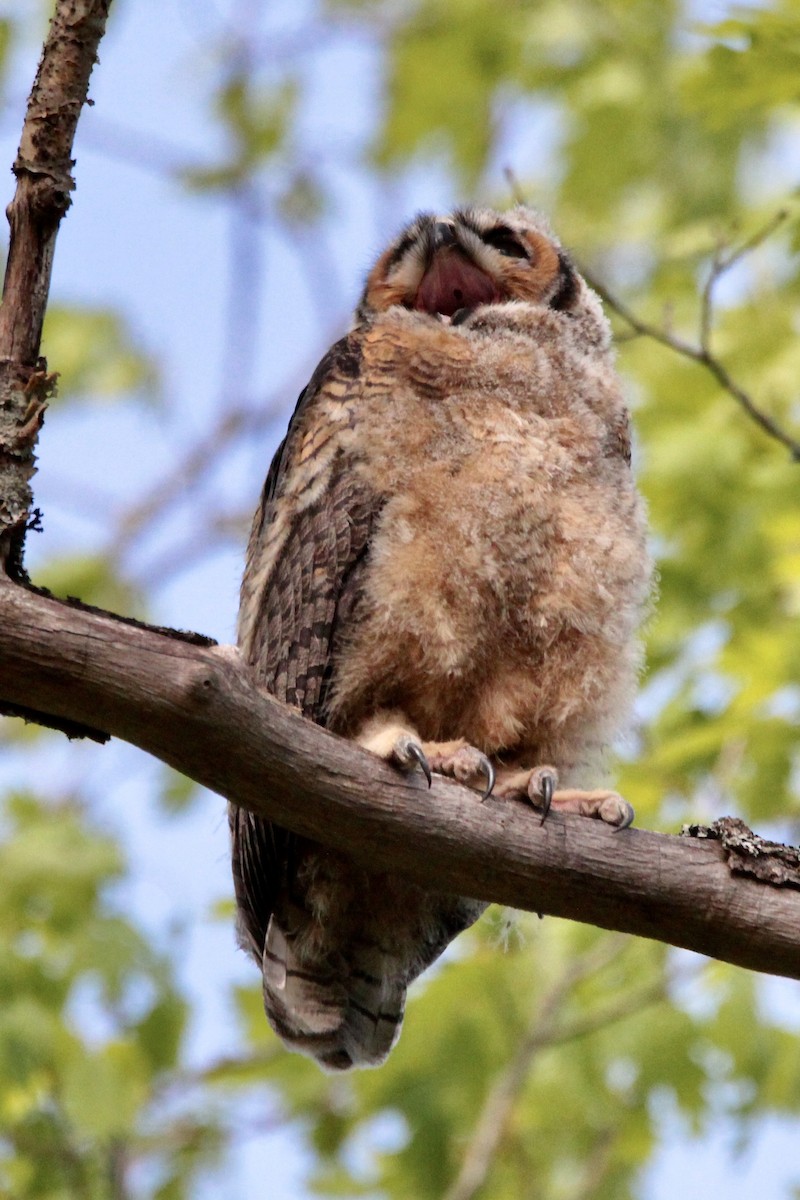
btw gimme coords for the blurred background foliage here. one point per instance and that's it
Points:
(540, 1059)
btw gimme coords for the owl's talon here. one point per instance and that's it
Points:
(488, 771)
(627, 818)
(541, 787)
(547, 789)
(415, 751)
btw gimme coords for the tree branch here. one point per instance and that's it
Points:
(195, 707)
(491, 1126)
(44, 182)
(702, 353)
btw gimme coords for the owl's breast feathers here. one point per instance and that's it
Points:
(449, 505)
(496, 520)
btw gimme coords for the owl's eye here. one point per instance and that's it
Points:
(504, 240)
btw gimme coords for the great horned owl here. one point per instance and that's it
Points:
(448, 566)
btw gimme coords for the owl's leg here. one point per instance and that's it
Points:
(540, 787)
(394, 739)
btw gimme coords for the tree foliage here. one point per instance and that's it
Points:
(663, 145)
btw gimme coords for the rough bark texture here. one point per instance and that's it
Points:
(195, 708)
(748, 854)
(44, 182)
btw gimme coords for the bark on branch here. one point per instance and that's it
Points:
(195, 707)
(44, 181)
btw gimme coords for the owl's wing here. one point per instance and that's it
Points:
(305, 559)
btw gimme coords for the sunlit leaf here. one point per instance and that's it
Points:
(96, 355)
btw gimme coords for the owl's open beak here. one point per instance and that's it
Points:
(452, 281)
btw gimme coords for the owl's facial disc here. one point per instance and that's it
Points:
(452, 282)
(446, 266)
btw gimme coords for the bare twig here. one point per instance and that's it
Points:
(700, 353)
(514, 186)
(236, 423)
(602, 1018)
(490, 1127)
(44, 182)
(756, 239)
(707, 297)
(242, 421)
(227, 1067)
(596, 1165)
(213, 533)
(724, 258)
(546, 1030)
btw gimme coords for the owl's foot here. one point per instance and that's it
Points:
(388, 736)
(463, 762)
(393, 740)
(408, 754)
(540, 785)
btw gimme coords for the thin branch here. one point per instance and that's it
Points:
(514, 186)
(602, 1018)
(756, 239)
(196, 708)
(242, 421)
(146, 511)
(44, 183)
(219, 531)
(545, 1031)
(227, 1068)
(745, 400)
(492, 1123)
(596, 1165)
(707, 298)
(700, 353)
(724, 259)
(117, 1166)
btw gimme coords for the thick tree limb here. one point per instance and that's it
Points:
(44, 182)
(196, 708)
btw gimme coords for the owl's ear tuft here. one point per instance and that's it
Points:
(566, 293)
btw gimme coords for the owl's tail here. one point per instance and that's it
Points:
(346, 1014)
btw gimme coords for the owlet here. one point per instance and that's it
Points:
(448, 566)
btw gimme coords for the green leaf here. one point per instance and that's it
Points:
(104, 1091)
(178, 792)
(159, 1033)
(97, 355)
(93, 579)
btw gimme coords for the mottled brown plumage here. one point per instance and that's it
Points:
(448, 565)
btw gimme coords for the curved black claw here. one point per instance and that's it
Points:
(629, 815)
(416, 752)
(547, 796)
(488, 771)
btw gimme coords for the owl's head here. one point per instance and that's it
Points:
(448, 265)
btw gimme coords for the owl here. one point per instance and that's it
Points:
(448, 567)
